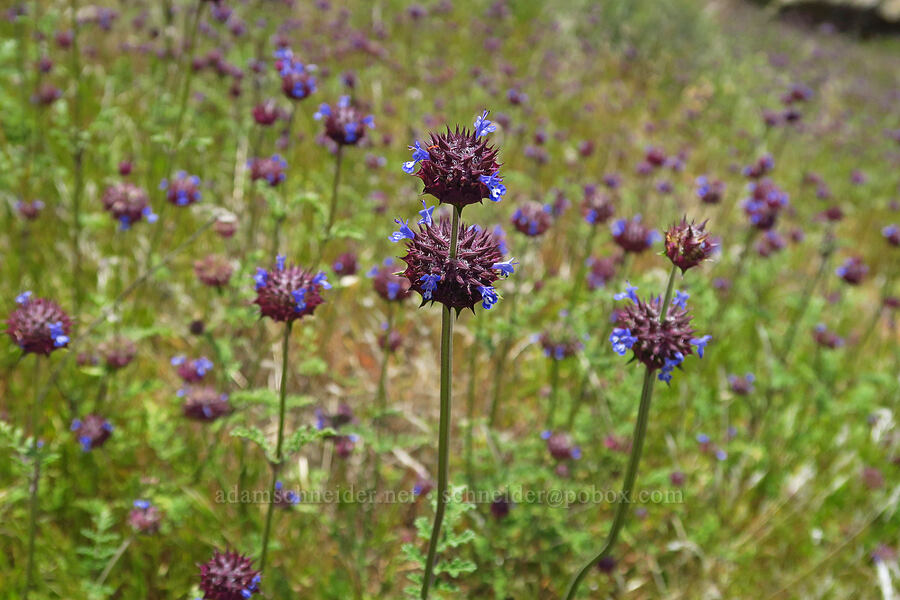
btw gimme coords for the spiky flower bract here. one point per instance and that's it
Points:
(687, 244)
(660, 345)
(288, 292)
(458, 283)
(458, 167)
(92, 431)
(39, 325)
(632, 235)
(345, 125)
(128, 204)
(229, 576)
(204, 403)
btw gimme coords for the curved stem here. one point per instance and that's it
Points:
(280, 441)
(637, 446)
(640, 430)
(444, 427)
(35, 479)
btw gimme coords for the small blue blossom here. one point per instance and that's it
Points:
(150, 215)
(369, 121)
(700, 344)
(279, 262)
(142, 504)
(665, 374)
(545, 435)
(403, 233)
(628, 293)
(419, 154)
(202, 366)
(506, 267)
(702, 438)
(322, 280)
(351, 132)
(426, 214)
(488, 295)
(483, 126)
(392, 289)
(177, 360)
(22, 299)
(576, 452)
(300, 298)
(621, 340)
(721, 454)
(261, 277)
(324, 111)
(76, 424)
(680, 299)
(60, 339)
(494, 185)
(429, 284)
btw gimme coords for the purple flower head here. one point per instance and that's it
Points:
(289, 293)
(91, 432)
(687, 244)
(204, 403)
(455, 166)
(658, 345)
(632, 235)
(270, 170)
(229, 576)
(38, 325)
(461, 282)
(532, 219)
(344, 123)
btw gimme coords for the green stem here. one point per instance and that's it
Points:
(637, 446)
(78, 158)
(470, 404)
(444, 427)
(381, 395)
(807, 296)
(280, 441)
(554, 388)
(35, 479)
(332, 208)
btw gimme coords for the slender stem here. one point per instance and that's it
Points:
(637, 446)
(470, 403)
(115, 558)
(332, 208)
(805, 300)
(578, 281)
(444, 427)
(278, 444)
(78, 158)
(35, 479)
(554, 388)
(640, 430)
(188, 76)
(381, 394)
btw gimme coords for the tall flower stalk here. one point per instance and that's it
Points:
(284, 293)
(660, 337)
(453, 264)
(279, 443)
(38, 326)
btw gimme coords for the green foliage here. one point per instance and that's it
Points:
(450, 545)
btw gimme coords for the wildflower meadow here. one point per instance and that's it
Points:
(488, 299)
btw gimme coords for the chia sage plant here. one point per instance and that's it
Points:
(452, 264)
(38, 326)
(659, 335)
(285, 293)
